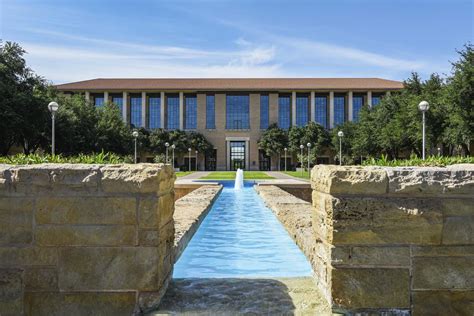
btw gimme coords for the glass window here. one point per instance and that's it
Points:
(210, 112)
(376, 100)
(136, 111)
(357, 103)
(339, 105)
(172, 110)
(99, 100)
(264, 111)
(237, 112)
(190, 119)
(302, 111)
(118, 101)
(321, 110)
(284, 110)
(154, 112)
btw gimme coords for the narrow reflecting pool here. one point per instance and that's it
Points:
(240, 237)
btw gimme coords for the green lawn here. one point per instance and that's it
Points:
(297, 174)
(230, 175)
(183, 173)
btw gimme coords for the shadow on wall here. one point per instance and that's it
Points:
(225, 297)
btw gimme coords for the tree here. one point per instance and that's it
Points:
(348, 128)
(312, 133)
(199, 142)
(158, 138)
(273, 140)
(113, 135)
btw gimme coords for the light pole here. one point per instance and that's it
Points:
(423, 107)
(53, 107)
(309, 151)
(167, 145)
(189, 159)
(135, 136)
(196, 160)
(172, 155)
(301, 147)
(439, 151)
(286, 149)
(340, 134)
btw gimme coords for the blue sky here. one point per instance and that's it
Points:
(84, 39)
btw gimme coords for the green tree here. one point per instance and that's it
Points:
(198, 142)
(158, 138)
(273, 140)
(312, 133)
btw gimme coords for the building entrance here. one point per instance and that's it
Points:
(237, 155)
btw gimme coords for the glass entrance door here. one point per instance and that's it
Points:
(237, 155)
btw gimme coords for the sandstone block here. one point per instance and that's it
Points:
(16, 220)
(458, 230)
(337, 180)
(371, 288)
(166, 209)
(90, 303)
(149, 212)
(457, 207)
(435, 251)
(28, 256)
(88, 235)
(110, 268)
(433, 303)
(443, 273)
(371, 256)
(41, 279)
(140, 178)
(11, 292)
(5, 179)
(148, 237)
(90, 210)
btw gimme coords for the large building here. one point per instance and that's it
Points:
(232, 113)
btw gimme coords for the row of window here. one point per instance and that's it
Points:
(237, 110)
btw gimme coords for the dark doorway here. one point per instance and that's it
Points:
(289, 167)
(211, 160)
(264, 161)
(186, 164)
(237, 155)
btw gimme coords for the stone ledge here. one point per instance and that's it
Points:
(190, 210)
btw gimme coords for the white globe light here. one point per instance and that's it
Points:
(135, 134)
(167, 144)
(173, 146)
(189, 149)
(53, 106)
(285, 149)
(423, 106)
(301, 146)
(340, 134)
(308, 144)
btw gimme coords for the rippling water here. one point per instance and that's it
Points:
(240, 237)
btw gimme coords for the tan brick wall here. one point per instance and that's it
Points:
(395, 238)
(76, 238)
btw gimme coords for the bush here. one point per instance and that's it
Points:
(431, 161)
(96, 158)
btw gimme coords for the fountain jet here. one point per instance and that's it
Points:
(239, 179)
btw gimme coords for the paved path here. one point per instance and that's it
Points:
(281, 175)
(239, 296)
(194, 175)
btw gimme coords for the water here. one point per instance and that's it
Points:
(239, 179)
(240, 237)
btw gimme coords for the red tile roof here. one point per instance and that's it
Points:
(233, 84)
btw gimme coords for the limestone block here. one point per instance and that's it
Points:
(443, 273)
(28, 256)
(148, 237)
(371, 256)
(86, 235)
(109, 268)
(433, 303)
(457, 207)
(11, 292)
(337, 180)
(16, 220)
(149, 211)
(5, 179)
(41, 279)
(435, 251)
(431, 180)
(139, 178)
(90, 210)
(166, 209)
(85, 303)
(458, 230)
(371, 288)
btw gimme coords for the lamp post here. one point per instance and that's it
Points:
(167, 145)
(309, 151)
(423, 107)
(196, 160)
(340, 134)
(439, 151)
(53, 107)
(135, 136)
(286, 149)
(189, 159)
(172, 153)
(301, 147)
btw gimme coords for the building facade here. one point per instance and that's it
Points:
(233, 113)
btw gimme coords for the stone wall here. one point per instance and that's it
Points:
(395, 239)
(84, 239)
